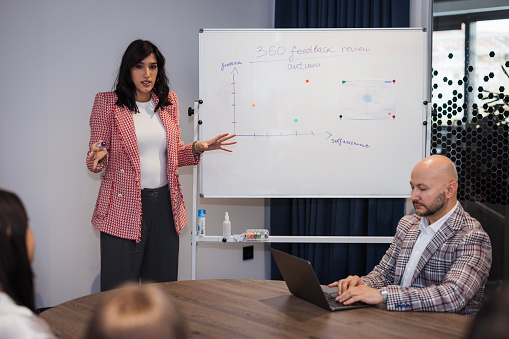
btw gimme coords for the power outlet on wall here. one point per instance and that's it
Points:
(248, 252)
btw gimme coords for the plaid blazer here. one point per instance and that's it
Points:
(451, 273)
(118, 207)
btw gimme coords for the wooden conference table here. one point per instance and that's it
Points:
(265, 309)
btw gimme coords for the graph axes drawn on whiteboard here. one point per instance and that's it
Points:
(281, 134)
(234, 97)
(267, 135)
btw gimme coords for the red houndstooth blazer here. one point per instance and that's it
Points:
(451, 274)
(118, 207)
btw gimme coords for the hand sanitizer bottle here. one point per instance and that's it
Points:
(201, 222)
(227, 225)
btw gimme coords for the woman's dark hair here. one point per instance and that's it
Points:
(124, 86)
(16, 276)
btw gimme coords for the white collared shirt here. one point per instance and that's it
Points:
(424, 238)
(18, 322)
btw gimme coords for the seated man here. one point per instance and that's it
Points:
(440, 257)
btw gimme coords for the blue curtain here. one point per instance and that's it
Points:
(342, 13)
(340, 217)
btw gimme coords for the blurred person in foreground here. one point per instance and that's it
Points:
(17, 246)
(137, 311)
(492, 321)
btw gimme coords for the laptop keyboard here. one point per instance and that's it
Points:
(331, 299)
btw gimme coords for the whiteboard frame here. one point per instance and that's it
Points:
(425, 113)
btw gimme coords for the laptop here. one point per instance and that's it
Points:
(302, 282)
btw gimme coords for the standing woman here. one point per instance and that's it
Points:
(135, 139)
(17, 246)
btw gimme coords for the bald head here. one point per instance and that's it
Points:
(438, 166)
(434, 183)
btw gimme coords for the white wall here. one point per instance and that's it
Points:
(54, 56)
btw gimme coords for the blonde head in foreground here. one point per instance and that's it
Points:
(137, 312)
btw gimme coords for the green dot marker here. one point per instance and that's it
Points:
(295, 120)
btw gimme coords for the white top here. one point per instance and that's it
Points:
(424, 238)
(18, 322)
(151, 137)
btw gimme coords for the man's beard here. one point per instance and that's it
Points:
(434, 208)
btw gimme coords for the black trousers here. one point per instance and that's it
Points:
(155, 257)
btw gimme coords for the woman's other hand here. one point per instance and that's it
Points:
(97, 152)
(219, 142)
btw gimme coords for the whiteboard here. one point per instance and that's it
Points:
(317, 112)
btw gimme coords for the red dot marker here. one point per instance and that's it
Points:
(393, 116)
(307, 80)
(393, 80)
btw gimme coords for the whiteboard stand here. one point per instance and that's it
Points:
(194, 243)
(235, 64)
